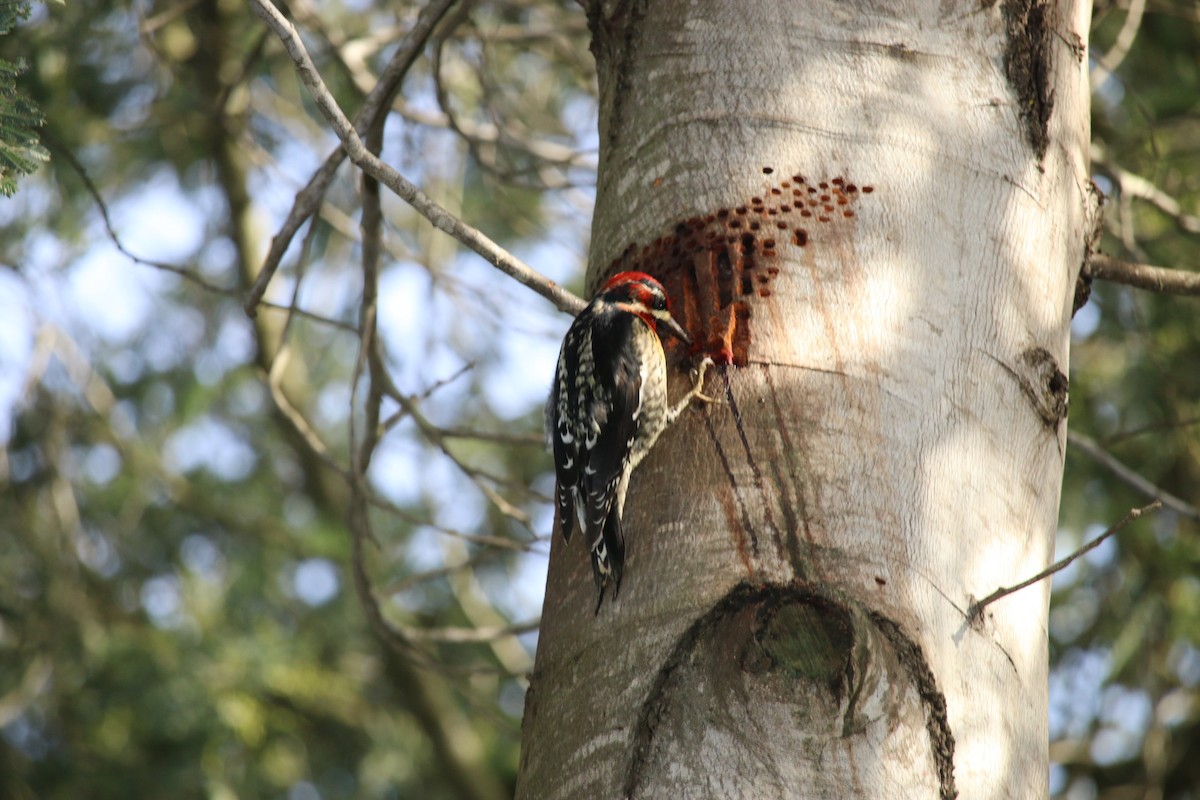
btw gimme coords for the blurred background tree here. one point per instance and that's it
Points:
(214, 582)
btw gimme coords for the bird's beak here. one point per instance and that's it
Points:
(675, 328)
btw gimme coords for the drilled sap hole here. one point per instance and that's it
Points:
(725, 278)
(715, 265)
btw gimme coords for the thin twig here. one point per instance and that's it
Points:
(1129, 30)
(1144, 276)
(495, 437)
(483, 540)
(471, 635)
(1141, 430)
(1130, 477)
(93, 191)
(1135, 185)
(976, 608)
(401, 186)
(475, 560)
(63, 152)
(483, 132)
(401, 414)
(309, 315)
(435, 436)
(294, 417)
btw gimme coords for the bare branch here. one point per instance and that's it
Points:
(292, 415)
(975, 610)
(496, 437)
(474, 538)
(401, 186)
(1129, 31)
(437, 437)
(408, 582)
(471, 635)
(310, 197)
(1129, 477)
(1166, 425)
(1144, 276)
(1137, 186)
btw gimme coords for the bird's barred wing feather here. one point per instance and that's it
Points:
(562, 435)
(606, 448)
(591, 418)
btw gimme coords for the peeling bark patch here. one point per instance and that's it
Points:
(1045, 385)
(1083, 287)
(1093, 211)
(1027, 65)
(717, 266)
(941, 738)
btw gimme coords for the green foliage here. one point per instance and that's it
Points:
(20, 151)
(1125, 622)
(179, 615)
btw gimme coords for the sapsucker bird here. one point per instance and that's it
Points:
(607, 408)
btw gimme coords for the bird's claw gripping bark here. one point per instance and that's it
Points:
(697, 392)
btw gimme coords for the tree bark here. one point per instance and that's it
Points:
(876, 213)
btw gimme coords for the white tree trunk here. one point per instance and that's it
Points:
(800, 560)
